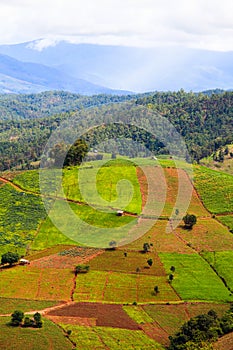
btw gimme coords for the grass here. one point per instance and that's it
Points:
(161, 240)
(171, 317)
(207, 235)
(20, 216)
(114, 184)
(116, 287)
(116, 261)
(109, 338)
(8, 305)
(31, 283)
(30, 181)
(138, 314)
(194, 279)
(215, 189)
(81, 224)
(48, 337)
(227, 220)
(223, 264)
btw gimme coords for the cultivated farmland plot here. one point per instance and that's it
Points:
(202, 256)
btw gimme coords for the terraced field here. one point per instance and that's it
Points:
(201, 256)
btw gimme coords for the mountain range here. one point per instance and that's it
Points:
(92, 69)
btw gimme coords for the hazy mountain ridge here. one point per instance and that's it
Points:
(26, 77)
(131, 68)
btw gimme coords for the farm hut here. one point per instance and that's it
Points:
(120, 212)
(24, 262)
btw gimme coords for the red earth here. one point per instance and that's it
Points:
(106, 315)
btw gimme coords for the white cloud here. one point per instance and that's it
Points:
(194, 23)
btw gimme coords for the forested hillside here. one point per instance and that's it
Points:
(30, 106)
(205, 121)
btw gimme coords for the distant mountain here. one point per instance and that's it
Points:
(130, 68)
(25, 77)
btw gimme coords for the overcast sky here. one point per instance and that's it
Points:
(191, 23)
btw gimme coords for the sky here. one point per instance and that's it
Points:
(206, 24)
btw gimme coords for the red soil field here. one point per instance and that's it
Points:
(106, 315)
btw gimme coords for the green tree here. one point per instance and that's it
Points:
(150, 262)
(189, 220)
(81, 269)
(38, 320)
(76, 153)
(171, 277)
(17, 318)
(146, 247)
(10, 258)
(156, 290)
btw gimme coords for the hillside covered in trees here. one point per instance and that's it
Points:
(204, 120)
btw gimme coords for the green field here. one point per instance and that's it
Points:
(109, 338)
(116, 277)
(20, 216)
(122, 288)
(80, 224)
(8, 305)
(171, 317)
(17, 338)
(110, 186)
(32, 283)
(223, 264)
(227, 220)
(194, 279)
(215, 189)
(116, 261)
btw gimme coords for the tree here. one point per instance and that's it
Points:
(150, 262)
(27, 322)
(38, 320)
(146, 247)
(156, 290)
(76, 153)
(170, 277)
(189, 220)
(17, 318)
(10, 258)
(173, 269)
(81, 269)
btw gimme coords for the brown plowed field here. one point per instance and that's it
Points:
(106, 315)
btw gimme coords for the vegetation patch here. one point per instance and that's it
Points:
(20, 216)
(207, 235)
(122, 288)
(194, 279)
(47, 337)
(128, 262)
(8, 305)
(110, 338)
(33, 283)
(222, 262)
(227, 220)
(215, 189)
